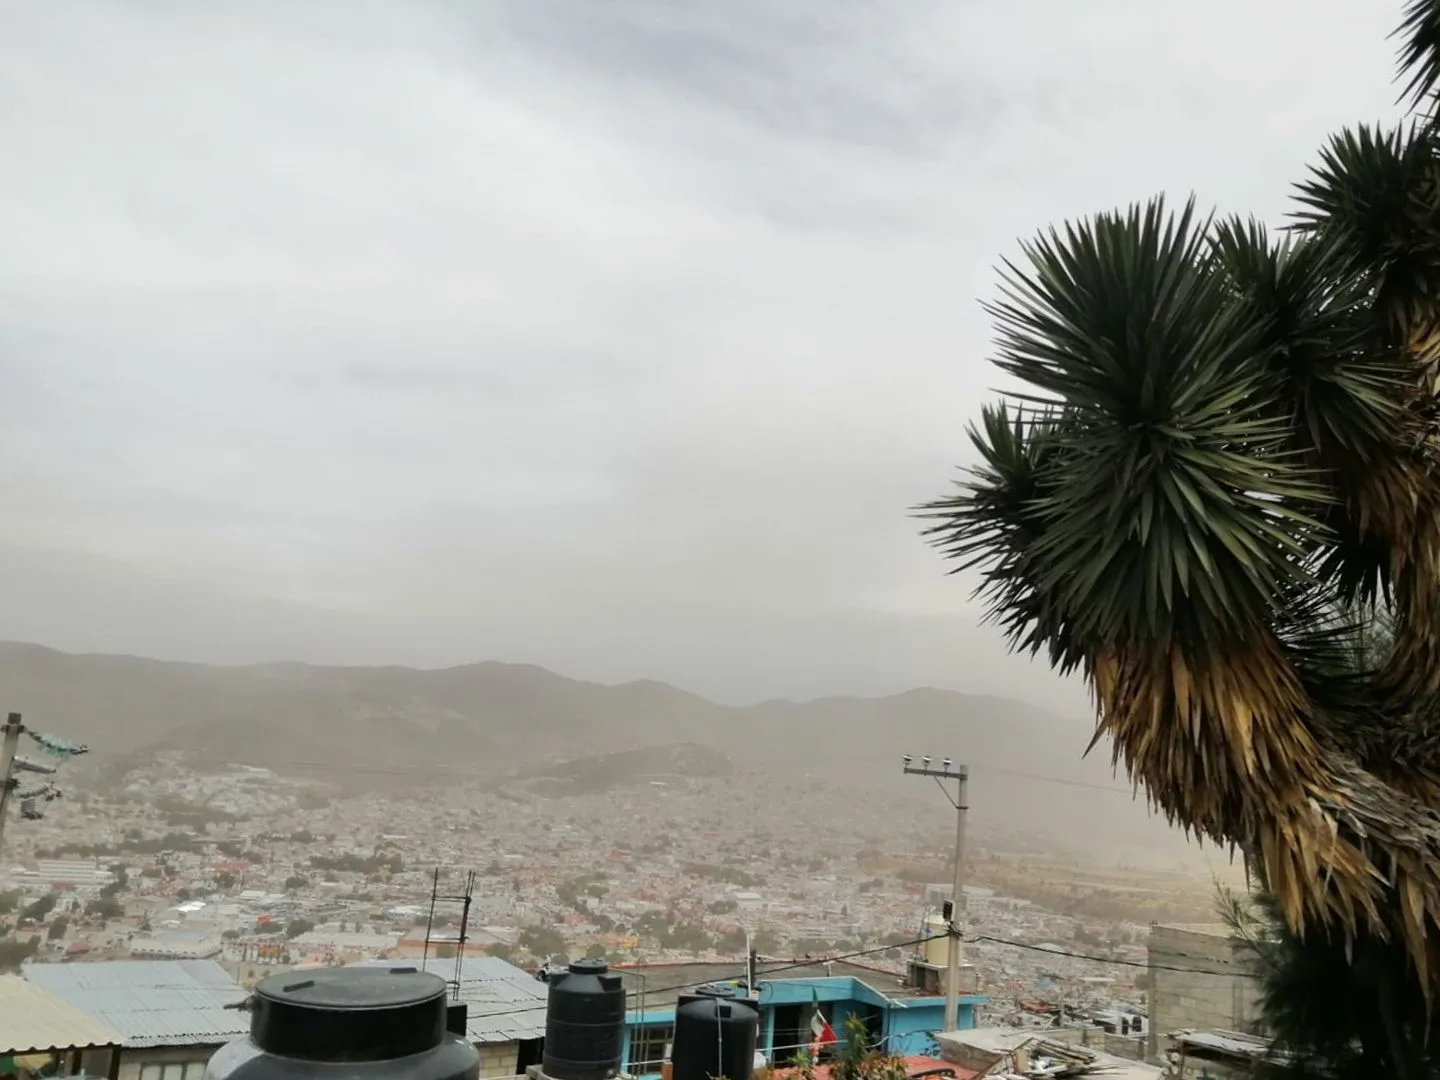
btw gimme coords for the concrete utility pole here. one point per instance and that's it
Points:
(960, 801)
(12, 730)
(10, 762)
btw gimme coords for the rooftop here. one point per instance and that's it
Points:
(1040, 1053)
(345, 940)
(151, 1002)
(664, 983)
(505, 1003)
(32, 1021)
(1208, 929)
(1226, 1043)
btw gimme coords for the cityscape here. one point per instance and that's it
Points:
(822, 540)
(251, 872)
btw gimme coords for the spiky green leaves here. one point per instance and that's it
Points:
(1419, 32)
(1161, 500)
(1318, 340)
(994, 519)
(1375, 197)
(1339, 384)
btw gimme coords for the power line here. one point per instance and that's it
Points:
(979, 767)
(811, 962)
(1047, 950)
(815, 961)
(1058, 780)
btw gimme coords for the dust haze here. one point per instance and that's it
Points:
(612, 339)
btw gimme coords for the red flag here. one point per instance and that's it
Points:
(820, 1028)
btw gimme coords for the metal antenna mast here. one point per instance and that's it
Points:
(960, 801)
(465, 900)
(430, 919)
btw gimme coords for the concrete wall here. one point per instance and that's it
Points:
(1204, 1000)
(1133, 1047)
(911, 1030)
(498, 1059)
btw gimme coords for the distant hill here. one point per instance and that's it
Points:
(627, 768)
(372, 723)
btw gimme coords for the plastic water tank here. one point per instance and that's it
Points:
(349, 1023)
(715, 1035)
(584, 1023)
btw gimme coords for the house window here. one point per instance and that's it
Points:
(649, 1047)
(173, 1070)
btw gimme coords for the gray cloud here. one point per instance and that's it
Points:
(616, 337)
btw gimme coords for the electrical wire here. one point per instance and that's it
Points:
(813, 961)
(712, 980)
(1107, 959)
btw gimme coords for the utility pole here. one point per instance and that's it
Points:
(10, 761)
(13, 729)
(960, 801)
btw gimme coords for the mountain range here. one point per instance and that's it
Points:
(377, 726)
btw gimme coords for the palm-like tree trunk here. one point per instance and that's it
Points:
(1225, 461)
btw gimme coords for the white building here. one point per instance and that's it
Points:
(84, 877)
(175, 945)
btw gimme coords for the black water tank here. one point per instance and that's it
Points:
(584, 1023)
(715, 1035)
(348, 1023)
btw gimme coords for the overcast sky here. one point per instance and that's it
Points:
(612, 335)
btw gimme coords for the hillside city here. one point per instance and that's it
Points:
(262, 872)
(823, 540)
(155, 885)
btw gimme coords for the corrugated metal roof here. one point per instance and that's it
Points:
(506, 1003)
(32, 1021)
(151, 1002)
(1225, 1042)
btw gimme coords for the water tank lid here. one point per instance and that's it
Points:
(349, 1013)
(715, 991)
(589, 966)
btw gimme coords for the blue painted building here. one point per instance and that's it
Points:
(899, 1018)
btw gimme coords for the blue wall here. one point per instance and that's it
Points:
(909, 1025)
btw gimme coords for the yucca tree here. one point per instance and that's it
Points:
(1336, 1007)
(1221, 467)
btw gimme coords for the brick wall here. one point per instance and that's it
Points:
(498, 1059)
(1198, 1000)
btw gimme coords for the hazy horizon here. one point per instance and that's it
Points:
(1018, 698)
(616, 339)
